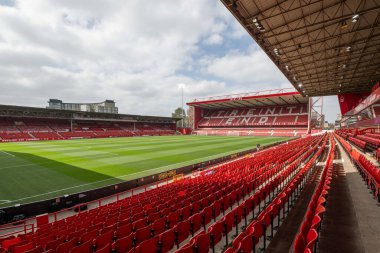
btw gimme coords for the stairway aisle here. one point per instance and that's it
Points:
(351, 222)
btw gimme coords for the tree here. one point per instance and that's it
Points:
(178, 113)
(190, 116)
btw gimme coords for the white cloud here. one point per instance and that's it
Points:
(130, 51)
(252, 69)
(214, 39)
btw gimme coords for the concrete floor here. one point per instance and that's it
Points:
(352, 219)
(365, 206)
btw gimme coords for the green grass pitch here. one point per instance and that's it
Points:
(32, 171)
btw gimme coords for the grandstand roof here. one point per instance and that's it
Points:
(259, 98)
(324, 47)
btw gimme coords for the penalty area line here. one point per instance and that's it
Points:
(159, 169)
(9, 154)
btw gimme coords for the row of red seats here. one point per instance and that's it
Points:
(253, 132)
(263, 111)
(10, 136)
(40, 235)
(371, 174)
(373, 135)
(359, 143)
(254, 121)
(46, 135)
(218, 176)
(372, 141)
(366, 168)
(201, 242)
(247, 240)
(306, 239)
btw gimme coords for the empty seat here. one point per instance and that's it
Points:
(159, 226)
(182, 230)
(142, 234)
(124, 244)
(148, 246)
(85, 247)
(167, 240)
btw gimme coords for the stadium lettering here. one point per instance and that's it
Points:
(290, 108)
(229, 121)
(263, 120)
(270, 110)
(245, 120)
(250, 112)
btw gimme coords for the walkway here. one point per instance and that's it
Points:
(352, 219)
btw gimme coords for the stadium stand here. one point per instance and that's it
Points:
(195, 214)
(270, 113)
(47, 124)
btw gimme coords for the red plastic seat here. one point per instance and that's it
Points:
(185, 212)
(182, 230)
(148, 246)
(246, 245)
(138, 216)
(159, 226)
(188, 248)
(237, 240)
(23, 248)
(85, 247)
(216, 232)
(11, 244)
(216, 208)
(142, 234)
(231, 250)
(173, 219)
(103, 240)
(202, 242)
(139, 224)
(66, 247)
(38, 249)
(124, 230)
(167, 240)
(206, 215)
(299, 244)
(315, 222)
(54, 243)
(228, 221)
(257, 230)
(311, 238)
(196, 207)
(124, 244)
(225, 203)
(195, 222)
(154, 217)
(89, 236)
(106, 249)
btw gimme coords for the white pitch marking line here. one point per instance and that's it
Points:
(7, 153)
(120, 177)
(5, 200)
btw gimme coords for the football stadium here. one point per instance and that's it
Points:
(238, 171)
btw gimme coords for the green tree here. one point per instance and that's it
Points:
(178, 113)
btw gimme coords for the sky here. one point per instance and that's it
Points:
(134, 52)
